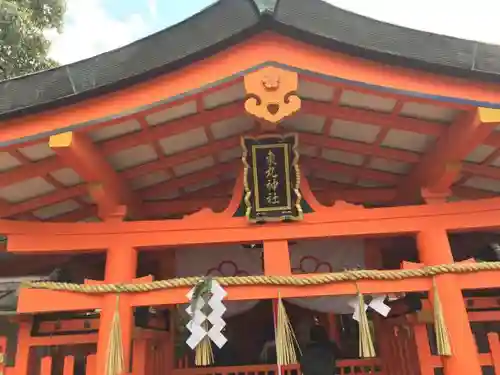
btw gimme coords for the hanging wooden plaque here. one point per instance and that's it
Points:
(271, 178)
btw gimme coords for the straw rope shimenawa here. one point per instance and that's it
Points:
(316, 279)
(442, 338)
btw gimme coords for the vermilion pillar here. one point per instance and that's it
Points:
(277, 258)
(121, 266)
(434, 248)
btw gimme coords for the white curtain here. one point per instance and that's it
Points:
(328, 255)
(231, 260)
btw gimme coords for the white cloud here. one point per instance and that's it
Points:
(89, 30)
(474, 20)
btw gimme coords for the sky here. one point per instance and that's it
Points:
(96, 26)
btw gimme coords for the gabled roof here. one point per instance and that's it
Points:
(226, 23)
(171, 146)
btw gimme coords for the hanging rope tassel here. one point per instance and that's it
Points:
(115, 363)
(204, 355)
(442, 337)
(366, 348)
(286, 342)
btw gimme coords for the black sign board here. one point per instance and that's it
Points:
(271, 178)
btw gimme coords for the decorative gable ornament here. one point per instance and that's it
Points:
(271, 94)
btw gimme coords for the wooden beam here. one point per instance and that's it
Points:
(253, 52)
(171, 128)
(370, 117)
(358, 148)
(368, 174)
(174, 185)
(42, 201)
(439, 167)
(29, 299)
(21, 173)
(30, 237)
(105, 185)
(44, 167)
(182, 157)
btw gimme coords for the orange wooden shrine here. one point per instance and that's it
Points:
(113, 167)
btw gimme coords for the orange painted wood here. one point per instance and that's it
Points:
(358, 147)
(69, 301)
(484, 316)
(370, 117)
(46, 366)
(167, 187)
(277, 258)
(434, 248)
(3, 354)
(121, 267)
(140, 355)
(494, 341)
(69, 365)
(91, 365)
(78, 152)
(22, 350)
(252, 52)
(369, 174)
(45, 237)
(89, 338)
(346, 366)
(423, 349)
(459, 140)
(68, 325)
(44, 200)
(31, 298)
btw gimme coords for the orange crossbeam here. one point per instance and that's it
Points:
(105, 185)
(29, 299)
(438, 168)
(30, 237)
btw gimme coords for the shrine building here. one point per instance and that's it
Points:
(290, 163)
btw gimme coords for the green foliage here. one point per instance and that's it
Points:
(201, 290)
(23, 45)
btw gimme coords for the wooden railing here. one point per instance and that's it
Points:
(345, 367)
(491, 359)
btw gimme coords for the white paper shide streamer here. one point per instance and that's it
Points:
(377, 304)
(198, 323)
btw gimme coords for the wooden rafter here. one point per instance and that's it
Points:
(373, 118)
(105, 185)
(324, 165)
(358, 148)
(173, 186)
(439, 167)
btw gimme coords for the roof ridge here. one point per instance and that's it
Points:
(266, 6)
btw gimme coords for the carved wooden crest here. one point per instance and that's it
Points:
(271, 94)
